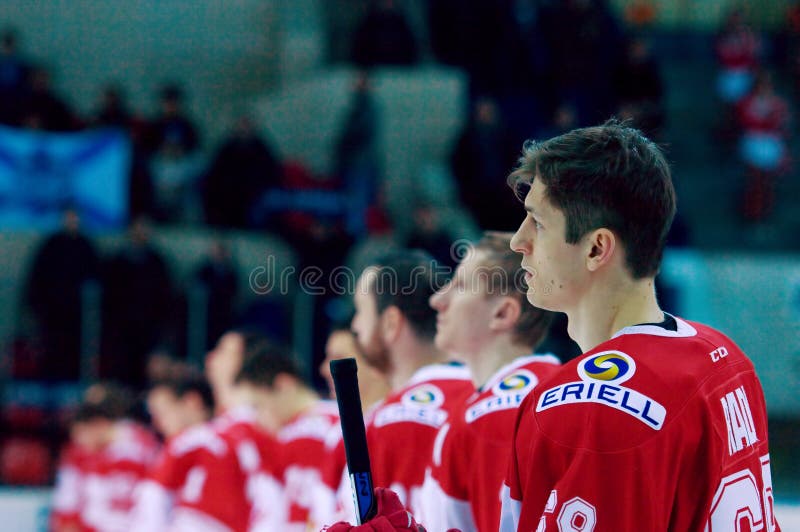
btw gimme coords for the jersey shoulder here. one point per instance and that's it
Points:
(632, 387)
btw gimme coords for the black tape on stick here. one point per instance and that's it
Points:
(345, 380)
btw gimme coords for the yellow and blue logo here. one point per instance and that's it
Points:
(608, 366)
(426, 395)
(518, 381)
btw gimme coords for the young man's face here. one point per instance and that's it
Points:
(366, 324)
(166, 411)
(340, 344)
(555, 269)
(92, 435)
(464, 309)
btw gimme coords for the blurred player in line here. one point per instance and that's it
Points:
(661, 423)
(395, 326)
(107, 457)
(258, 456)
(302, 423)
(484, 318)
(372, 388)
(176, 405)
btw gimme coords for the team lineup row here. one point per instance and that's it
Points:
(648, 429)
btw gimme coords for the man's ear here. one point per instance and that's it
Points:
(391, 323)
(601, 245)
(506, 314)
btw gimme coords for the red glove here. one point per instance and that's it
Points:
(391, 517)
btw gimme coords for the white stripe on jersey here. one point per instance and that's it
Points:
(509, 514)
(440, 511)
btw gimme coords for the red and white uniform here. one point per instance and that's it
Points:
(470, 456)
(196, 486)
(259, 457)
(655, 429)
(305, 449)
(94, 491)
(401, 432)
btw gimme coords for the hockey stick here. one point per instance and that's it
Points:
(354, 434)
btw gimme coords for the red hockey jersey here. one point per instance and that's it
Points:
(95, 491)
(196, 485)
(259, 456)
(471, 453)
(401, 431)
(311, 502)
(655, 429)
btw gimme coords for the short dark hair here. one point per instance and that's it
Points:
(180, 386)
(262, 366)
(534, 323)
(606, 176)
(406, 279)
(104, 400)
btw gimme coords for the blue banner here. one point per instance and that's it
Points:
(42, 173)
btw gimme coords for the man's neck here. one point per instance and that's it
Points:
(500, 351)
(408, 356)
(611, 307)
(301, 401)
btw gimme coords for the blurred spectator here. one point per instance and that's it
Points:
(106, 458)
(217, 277)
(112, 110)
(308, 212)
(764, 119)
(480, 162)
(384, 37)
(565, 118)
(14, 72)
(136, 305)
(639, 88)
(172, 131)
(41, 108)
(176, 165)
(581, 63)
(62, 266)
(356, 158)
(738, 48)
(244, 167)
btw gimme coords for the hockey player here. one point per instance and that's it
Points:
(482, 316)
(660, 424)
(372, 388)
(107, 457)
(395, 326)
(302, 422)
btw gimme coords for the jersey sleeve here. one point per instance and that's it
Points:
(67, 494)
(445, 499)
(152, 503)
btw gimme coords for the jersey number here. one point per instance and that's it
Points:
(576, 515)
(193, 487)
(738, 501)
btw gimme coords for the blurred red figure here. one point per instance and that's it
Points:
(101, 467)
(738, 48)
(764, 118)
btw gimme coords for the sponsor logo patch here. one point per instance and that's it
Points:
(507, 394)
(602, 375)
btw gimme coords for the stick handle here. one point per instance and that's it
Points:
(345, 380)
